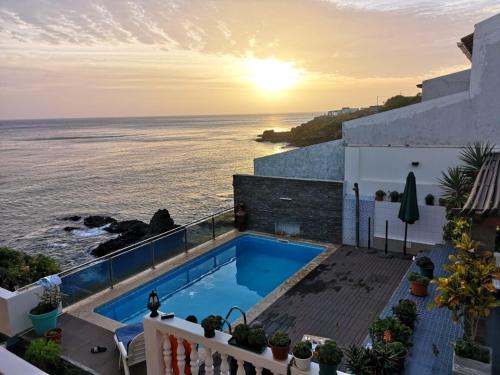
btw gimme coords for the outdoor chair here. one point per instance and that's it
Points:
(130, 343)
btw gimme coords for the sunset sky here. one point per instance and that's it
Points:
(83, 58)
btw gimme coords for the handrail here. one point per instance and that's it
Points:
(134, 246)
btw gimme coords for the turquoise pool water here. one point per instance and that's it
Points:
(240, 272)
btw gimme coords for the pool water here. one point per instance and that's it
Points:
(239, 272)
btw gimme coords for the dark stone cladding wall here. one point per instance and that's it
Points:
(316, 205)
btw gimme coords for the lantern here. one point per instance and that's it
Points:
(153, 304)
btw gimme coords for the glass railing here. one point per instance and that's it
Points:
(91, 277)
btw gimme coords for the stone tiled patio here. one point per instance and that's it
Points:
(340, 298)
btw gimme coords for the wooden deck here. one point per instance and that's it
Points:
(340, 298)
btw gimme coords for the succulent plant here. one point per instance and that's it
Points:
(257, 337)
(302, 350)
(329, 353)
(279, 338)
(240, 333)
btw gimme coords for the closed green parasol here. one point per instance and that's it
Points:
(408, 212)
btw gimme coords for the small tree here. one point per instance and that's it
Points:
(468, 292)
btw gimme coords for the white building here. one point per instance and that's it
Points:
(378, 151)
(342, 111)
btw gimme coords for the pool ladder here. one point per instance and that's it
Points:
(225, 320)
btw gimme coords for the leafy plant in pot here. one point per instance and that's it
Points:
(280, 345)
(389, 330)
(426, 266)
(429, 200)
(329, 357)
(302, 355)
(418, 284)
(470, 304)
(44, 315)
(54, 334)
(380, 195)
(43, 354)
(210, 324)
(394, 195)
(406, 312)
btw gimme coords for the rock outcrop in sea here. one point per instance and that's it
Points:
(131, 231)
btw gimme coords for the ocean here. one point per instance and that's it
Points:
(123, 167)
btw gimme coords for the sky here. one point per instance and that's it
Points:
(99, 58)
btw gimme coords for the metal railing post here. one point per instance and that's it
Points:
(369, 231)
(185, 239)
(213, 227)
(386, 235)
(152, 254)
(111, 278)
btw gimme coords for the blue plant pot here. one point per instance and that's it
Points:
(44, 322)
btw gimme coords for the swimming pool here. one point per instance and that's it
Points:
(239, 272)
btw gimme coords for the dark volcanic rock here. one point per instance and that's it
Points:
(72, 218)
(97, 221)
(161, 222)
(126, 239)
(70, 229)
(133, 231)
(136, 226)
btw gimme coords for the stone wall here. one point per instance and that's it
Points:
(324, 161)
(311, 207)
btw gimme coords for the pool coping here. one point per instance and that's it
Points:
(85, 309)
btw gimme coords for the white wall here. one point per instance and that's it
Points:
(386, 168)
(14, 309)
(427, 230)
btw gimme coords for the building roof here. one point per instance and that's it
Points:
(466, 44)
(484, 198)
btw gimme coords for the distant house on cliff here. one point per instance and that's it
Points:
(342, 111)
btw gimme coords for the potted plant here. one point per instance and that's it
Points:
(54, 334)
(240, 334)
(429, 200)
(44, 315)
(257, 337)
(210, 324)
(470, 304)
(394, 195)
(280, 345)
(418, 284)
(388, 330)
(379, 195)
(397, 352)
(406, 312)
(329, 357)
(302, 355)
(43, 354)
(426, 266)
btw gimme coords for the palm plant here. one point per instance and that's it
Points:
(473, 156)
(456, 186)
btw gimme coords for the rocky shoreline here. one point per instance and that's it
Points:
(129, 231)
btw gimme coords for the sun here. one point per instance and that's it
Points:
(271, 75)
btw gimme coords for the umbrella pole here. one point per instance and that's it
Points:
(406, 233)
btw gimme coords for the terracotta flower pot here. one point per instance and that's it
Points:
(418, 289)
(54, 334)
(280, 353)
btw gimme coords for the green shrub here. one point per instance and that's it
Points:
(18, 269)
(257, 337)
(42, 353)
(240, 333)
(455, 226)
(471, 350)
(424, 262)
(416, 277)
(406, 312)
(398, 331)
(302, 350)
(329, 353)
(279, 338)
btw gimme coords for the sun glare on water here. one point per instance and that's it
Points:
(271, 75)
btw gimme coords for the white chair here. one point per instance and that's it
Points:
(131, 351)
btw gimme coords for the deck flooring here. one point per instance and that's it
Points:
(340, 298)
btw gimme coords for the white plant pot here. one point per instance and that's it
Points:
(302, 364)
(467, 366)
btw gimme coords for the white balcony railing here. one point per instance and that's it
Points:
(159, 351)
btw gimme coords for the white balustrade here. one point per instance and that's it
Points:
(159, 351)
